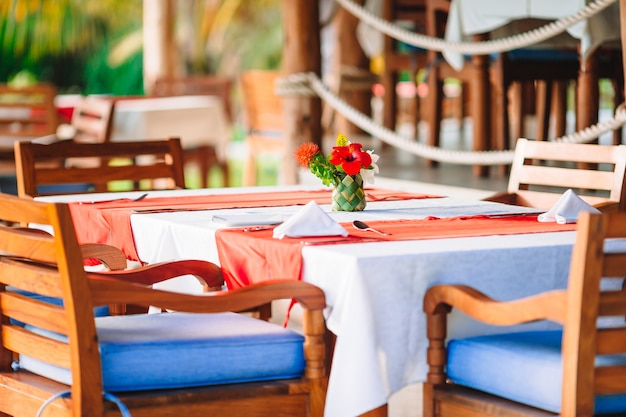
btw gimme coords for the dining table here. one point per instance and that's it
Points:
(198, 120)
(374, 284)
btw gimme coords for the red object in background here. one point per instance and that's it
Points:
(65, 114)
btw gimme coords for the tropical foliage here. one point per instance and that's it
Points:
(95, 46)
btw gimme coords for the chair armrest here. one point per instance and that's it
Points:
(208, 274)
(440, 299)
(608, 207)
(110, 256)
(108, 290)
(504, 197)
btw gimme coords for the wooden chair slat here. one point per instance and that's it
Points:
(610, 379)
(20, 307)
(611, 341)
(30, 344)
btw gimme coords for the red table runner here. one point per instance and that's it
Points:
(246, 258)
(109, 222)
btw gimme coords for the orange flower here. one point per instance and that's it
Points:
(305, 153)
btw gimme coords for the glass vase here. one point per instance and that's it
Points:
(349, 195)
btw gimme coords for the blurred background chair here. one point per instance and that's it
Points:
(400, 60)
(542, 171)
(203, 359)
(264, 120)
(210, 85)
(92, 120)
(26, 113)
(576, 371)
(136, 165)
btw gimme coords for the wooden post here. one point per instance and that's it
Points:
(301, 53)
(348, 55)
(622, 9)
(159, 51)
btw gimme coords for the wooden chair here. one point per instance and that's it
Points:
(26, 113)
(545, 372)
(92, 120)
(214, 85)
(141, 163)
(200, 360)
(541, 171)
(264, 119)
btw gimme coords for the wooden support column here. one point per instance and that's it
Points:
(159, 50)
(348, 56)
(301, 53)
(480, 96)
(622, 9)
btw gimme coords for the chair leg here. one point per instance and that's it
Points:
(434, 102)
(587, 99)
(480, 98)
(390, 99)
(249, 171)
(559, 105)
(516, 112)
(544, 98)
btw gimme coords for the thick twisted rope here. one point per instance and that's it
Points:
(521, 40)
(308, 84)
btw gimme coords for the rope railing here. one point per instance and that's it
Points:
(487, 47)
(309, 84)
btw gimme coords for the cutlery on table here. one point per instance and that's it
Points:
(167, 210)
(132, 200)
(357, 224)
(257, 228)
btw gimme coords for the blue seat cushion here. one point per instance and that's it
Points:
(173, 350)
(98, 311)
(544, 55)
(525, 367)
(64, 188)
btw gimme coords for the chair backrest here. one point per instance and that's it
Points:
(28, 111)
(93, 120)
(134, 162)
(210, 85)
(541, 171)
(263, 108)
(63, 336)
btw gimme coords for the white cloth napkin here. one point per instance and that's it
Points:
(566, 210)
(311, 220)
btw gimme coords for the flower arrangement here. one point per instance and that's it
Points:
(345, 159)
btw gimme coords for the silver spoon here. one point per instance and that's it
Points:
(363, 226)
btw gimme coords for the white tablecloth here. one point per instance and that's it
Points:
(469, 17)
(374, 291)
(197, 120)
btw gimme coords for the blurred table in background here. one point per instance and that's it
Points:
(199, 121)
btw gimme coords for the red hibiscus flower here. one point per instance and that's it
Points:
(351, 158)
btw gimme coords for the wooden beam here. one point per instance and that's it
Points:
(622, 8)
(159, 47)
(301, 53)
(350, 55)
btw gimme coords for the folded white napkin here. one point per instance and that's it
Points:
(566, 210)
(310, 220)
